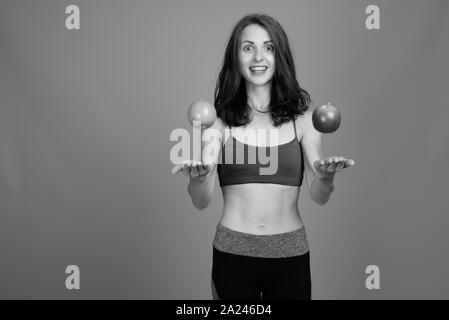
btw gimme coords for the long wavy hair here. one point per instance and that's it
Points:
(288, 99)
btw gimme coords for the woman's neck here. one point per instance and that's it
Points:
(259, 97)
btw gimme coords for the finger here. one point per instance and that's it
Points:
(178, 167)
(349, 163)
(331, 167)
(340, 165)
(186, 167)
(186, 170)
(318, 164)
(330, 163)
(201, 169)
(208, 165)
(322, 170)
(194, 171)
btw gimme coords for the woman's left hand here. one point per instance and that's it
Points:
(327, 168)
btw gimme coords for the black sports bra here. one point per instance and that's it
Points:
(289, 171)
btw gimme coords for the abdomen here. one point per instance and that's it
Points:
(261, 208)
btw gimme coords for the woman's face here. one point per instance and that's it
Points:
(256, 55)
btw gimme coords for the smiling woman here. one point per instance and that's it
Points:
(259, 42)
(260, 248)
(256, 59)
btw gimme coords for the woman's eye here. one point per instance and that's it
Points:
(249, 48)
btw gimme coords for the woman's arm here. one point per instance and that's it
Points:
(320, 189)
(201, 188)
(319, 173)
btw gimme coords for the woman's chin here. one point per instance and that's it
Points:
(258, 83)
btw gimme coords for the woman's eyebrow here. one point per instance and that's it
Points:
(253, 42)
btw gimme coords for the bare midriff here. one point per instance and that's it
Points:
(261, 208)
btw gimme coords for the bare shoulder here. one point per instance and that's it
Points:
(216, 129)
(304, 123)
(220, 125)
(217, 125)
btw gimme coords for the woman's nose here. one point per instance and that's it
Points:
(257, 55)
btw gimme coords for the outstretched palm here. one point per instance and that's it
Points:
(328, 167)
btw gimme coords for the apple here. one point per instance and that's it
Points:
(201, 113)
(326, 119)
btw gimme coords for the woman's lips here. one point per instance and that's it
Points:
(258, 68)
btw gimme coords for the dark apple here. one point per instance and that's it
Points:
(326, 119)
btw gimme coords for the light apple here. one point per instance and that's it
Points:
(201, 113)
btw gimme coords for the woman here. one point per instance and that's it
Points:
(260, 248)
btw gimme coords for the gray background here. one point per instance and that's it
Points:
(85, 120)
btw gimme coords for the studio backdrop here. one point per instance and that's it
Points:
(86, 113)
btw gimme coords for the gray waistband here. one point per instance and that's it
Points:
(280, 245)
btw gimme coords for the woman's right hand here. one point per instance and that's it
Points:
(195, 170)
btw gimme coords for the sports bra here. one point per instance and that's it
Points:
(290, 162)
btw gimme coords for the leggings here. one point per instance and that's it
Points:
(260, 267)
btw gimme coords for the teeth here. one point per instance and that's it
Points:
(258, 68)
